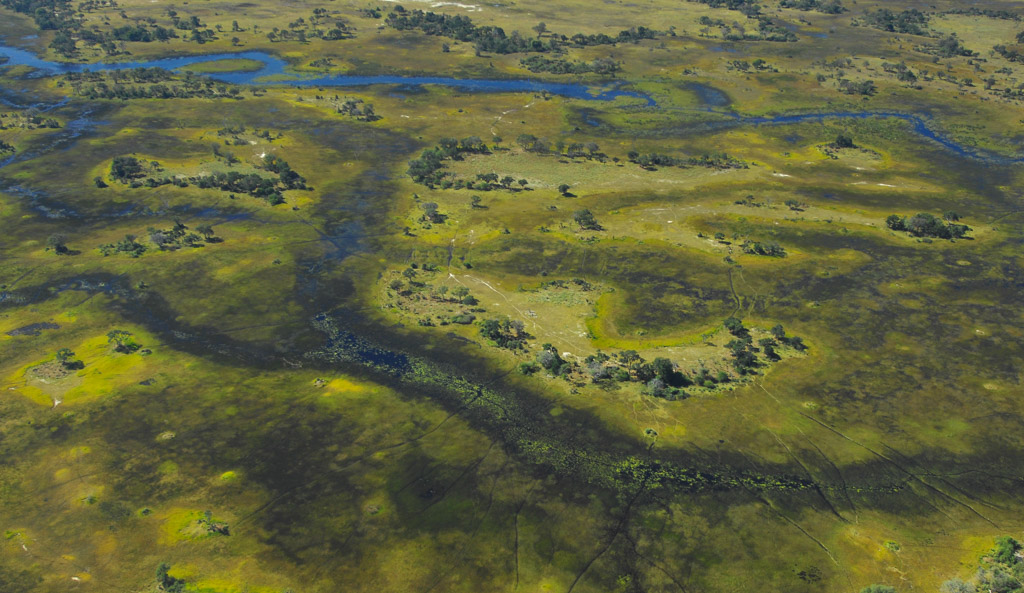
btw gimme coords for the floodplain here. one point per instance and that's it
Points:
(728, 300)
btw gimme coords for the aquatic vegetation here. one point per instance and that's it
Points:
(496, 297)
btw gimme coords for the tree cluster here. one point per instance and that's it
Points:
(429, 168)
(1001, 570)
(126, 168)
(128, 245)
(179, 236)
(1012, 54)
(767, 30)
(750, 8)
(864, 87)
(949, 47)
(357, 109)
(26, 121)
(505, 333)
(1005, 15)
(768, 248)
(825, 6)
(147, 83)
(166, 582)
(252, 184)
(924, 224)
(910, 22)
(585, 220)
(661, 377)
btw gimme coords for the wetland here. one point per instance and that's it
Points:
(382, 310)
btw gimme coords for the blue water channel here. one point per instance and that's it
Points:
(274, 72)
(275, 67)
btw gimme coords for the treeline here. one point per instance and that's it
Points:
(489, 38)
(558, 66)
(924, 224)
(715, 160)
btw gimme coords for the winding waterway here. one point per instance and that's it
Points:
(274, 72)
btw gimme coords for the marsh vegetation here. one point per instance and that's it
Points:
(703, 296)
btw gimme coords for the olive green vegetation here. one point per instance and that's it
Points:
(219, 386)
(226, 65)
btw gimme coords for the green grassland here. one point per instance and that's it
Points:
(283, 421)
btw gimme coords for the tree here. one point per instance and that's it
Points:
(206, 231)
(122, 341)
(656, 387)
(235, 41)
(540, 29)
(586, 221)
(564, 189)
(735, 326)
(58, 243)
(523, 183)
(663, 369)
(1006, 550)
(430, 212)
(474, 202)
(895, 222)
(843, 141)
(64, 355)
